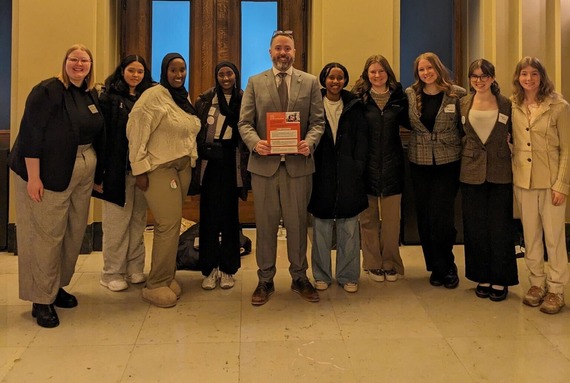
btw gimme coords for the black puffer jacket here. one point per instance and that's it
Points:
(385, 160)
(338, 182)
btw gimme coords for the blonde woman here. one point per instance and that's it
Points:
(434, 153)
(55, 156)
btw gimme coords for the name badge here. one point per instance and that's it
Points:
(463, 120)
(450, 108)
(93, 109)
(212, 111)
(503, 118)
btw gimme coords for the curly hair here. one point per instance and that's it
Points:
(363, 85)
(546, 87)
(443, 81)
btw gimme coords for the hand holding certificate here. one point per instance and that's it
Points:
(283, 133)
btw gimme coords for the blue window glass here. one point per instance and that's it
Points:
(258, 21)
(170, 33)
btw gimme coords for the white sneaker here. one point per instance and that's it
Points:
(350, 287)
(377, 275)
(115, 285)
(226, 280)
(321, 285)
(391, 275)
(210, 282)
(137, 278)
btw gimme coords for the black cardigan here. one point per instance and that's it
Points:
(116, 162)
(49, 132)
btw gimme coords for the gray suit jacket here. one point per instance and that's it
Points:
(260, 97)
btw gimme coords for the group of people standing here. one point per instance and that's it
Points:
(140, 145)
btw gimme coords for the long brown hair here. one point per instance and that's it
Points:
(546, 87)
(443, 81)
(363, 85)
(64, 77)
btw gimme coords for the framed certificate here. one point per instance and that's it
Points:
(283, 132)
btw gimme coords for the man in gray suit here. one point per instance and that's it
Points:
(281, 183)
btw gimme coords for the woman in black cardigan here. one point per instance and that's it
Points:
(55, 157)
(338, 193)
(124, 205)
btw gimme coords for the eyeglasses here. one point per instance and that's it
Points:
(281, 33)
(483, 77)
(76, 60)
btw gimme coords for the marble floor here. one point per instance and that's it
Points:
(404, 331)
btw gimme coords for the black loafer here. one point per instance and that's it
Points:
(483, 291)
(45, 315)
(435, 280)
(65, 300)
(451, 280)
(498, 295)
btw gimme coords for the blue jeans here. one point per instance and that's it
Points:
(347, 253)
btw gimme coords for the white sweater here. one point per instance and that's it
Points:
(159, 131)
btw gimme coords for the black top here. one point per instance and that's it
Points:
(83, 107)
(430, 109)
(50, 131)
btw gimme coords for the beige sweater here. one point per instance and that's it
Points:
(159, 131)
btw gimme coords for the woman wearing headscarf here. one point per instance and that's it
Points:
(222, 174)
(162, 131)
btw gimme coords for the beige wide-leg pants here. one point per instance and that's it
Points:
(50, 232)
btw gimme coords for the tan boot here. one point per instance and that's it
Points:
(176, 288)
(160, 297)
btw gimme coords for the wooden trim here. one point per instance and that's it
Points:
(4, 139)
(136, 27)
(457, 46)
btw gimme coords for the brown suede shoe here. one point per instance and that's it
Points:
(160, 297)
(176, 288)
(262, 293)
(305, 289)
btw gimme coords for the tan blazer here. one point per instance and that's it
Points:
(541, 148)
(490, 161)
(260, 97)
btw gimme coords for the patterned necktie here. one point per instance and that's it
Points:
(283, 92)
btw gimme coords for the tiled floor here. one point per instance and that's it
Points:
(405, 331)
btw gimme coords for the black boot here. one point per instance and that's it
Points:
(64, 299)
(45, 315)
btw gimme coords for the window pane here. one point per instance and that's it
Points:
(258, 21)
(170, 33)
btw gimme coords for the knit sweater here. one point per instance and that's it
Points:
(159, 131)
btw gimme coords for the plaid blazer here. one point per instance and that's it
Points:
(443, 145)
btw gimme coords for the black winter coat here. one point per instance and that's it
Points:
(116, 109)
(385, 160)
(338, 181)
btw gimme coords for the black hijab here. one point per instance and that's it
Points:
(231, 111)
(179, 95)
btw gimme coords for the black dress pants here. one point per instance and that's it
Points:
(435, 188)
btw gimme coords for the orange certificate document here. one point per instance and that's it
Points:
(283, 132)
